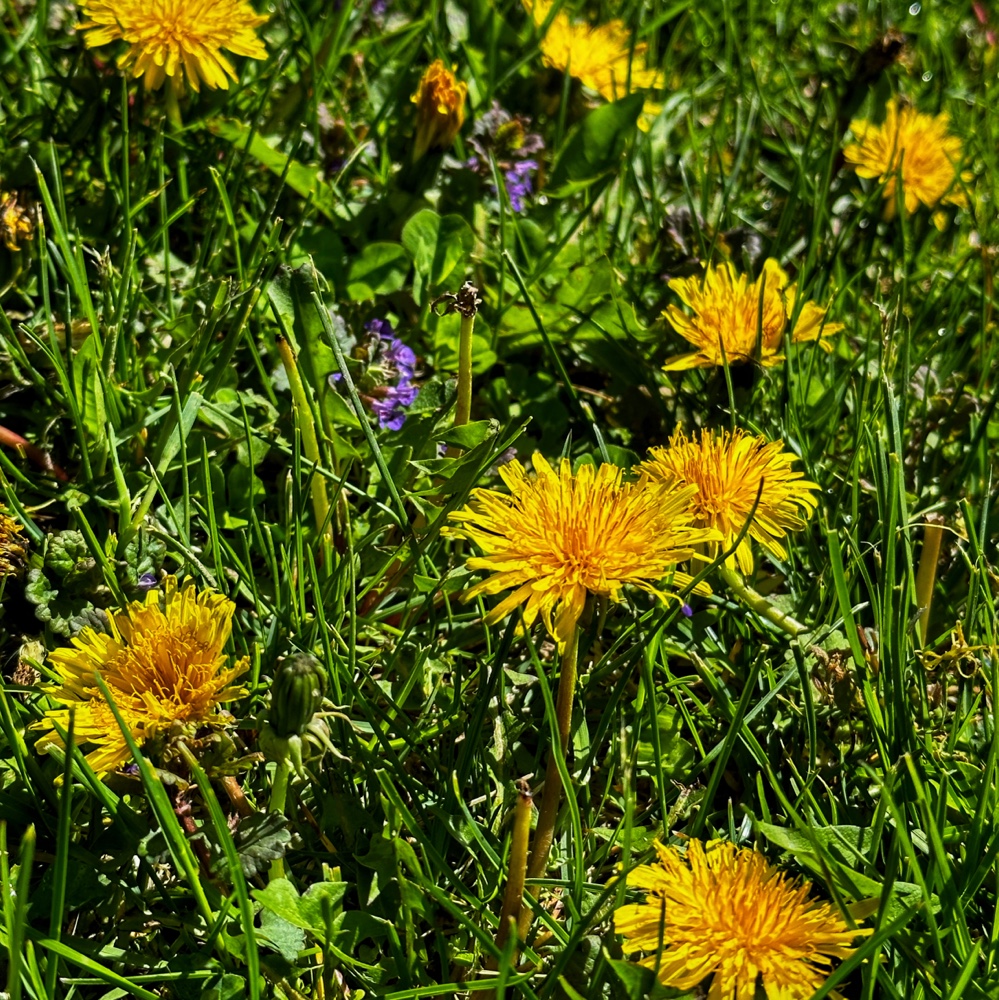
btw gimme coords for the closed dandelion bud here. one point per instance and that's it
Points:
(296, 695)
(440, 109)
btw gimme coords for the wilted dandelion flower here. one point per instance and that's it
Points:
(602, 58)
(917, 146)
(164, 665)
(557, 537)
(440, 108)
(16, 223)
(11, 545)
(730, 470)
(736, 320)
(723, 911)
(176, 38)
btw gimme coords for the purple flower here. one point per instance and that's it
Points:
(501, 138)
(385, 384)
(147, 581)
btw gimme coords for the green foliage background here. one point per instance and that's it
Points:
(138, 350)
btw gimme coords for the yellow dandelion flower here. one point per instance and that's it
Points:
(176, 38)
(11, 545)
(164, 665)
(557, 537)
(728, 324)
(602, 57)
(16, 223)
(440, 108)
(917, 146)
(728, 470)
(723, 911)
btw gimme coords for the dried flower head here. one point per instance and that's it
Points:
(737, 320)
(557, 537)
(16, 222)
(440, 108)
(723, 911)
(11, 545)
(914, 146)
(164, 665)
(603, 57)
(735, 472)
(176, 38)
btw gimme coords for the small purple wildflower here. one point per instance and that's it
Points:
(147, 581)
(386, 383)
(504, 139)
(688, 610)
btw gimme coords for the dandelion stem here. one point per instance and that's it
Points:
(279, 798)
(926, 575)
(513, 898)
(310, 442)
(544, 834)
(760, 604)
(463, 408)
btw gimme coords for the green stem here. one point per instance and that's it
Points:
(279, 798)
(544, 834)
(760, 604)
(463, 408)
(173, 107)
(310, 441)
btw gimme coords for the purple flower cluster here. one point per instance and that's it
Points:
(386, 385)
(504, 138)
(396, 363)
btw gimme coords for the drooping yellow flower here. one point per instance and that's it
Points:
(728, 323)
(723, 911)
(11, 545)
(164, 665)
(729, 470)
(440, 108)
(176, 38)
(16, 224)
(557, 537)
(914, 144)
(602, 58)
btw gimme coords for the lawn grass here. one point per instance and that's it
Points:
(167, 339)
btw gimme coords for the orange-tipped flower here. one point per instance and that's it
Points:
(176, 38)
(737, 320)
(918, 147)
(440, 108)
(730, 472)
(723, 911)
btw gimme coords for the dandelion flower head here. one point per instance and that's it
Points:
(11, 544)
(602, 57)
(163, 662)
(176, 38)
(723, 911)
(730, 470)
(737, 320)
(440, 108)
(16, 223)
(556, 537)
(916, 145)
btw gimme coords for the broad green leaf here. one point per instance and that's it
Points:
(379, 269)
(595, 146)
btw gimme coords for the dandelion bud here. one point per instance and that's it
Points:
(296, 695)
(440, 109)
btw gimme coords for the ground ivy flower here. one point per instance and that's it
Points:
(505, 139)
(556, 537)
(918, 147)
(730, 471)
(603, 57)
(386, 382)
(164, 665)
(722, 911)
(737, 320)
(176, 38)
(11, 545)
(440, 108)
